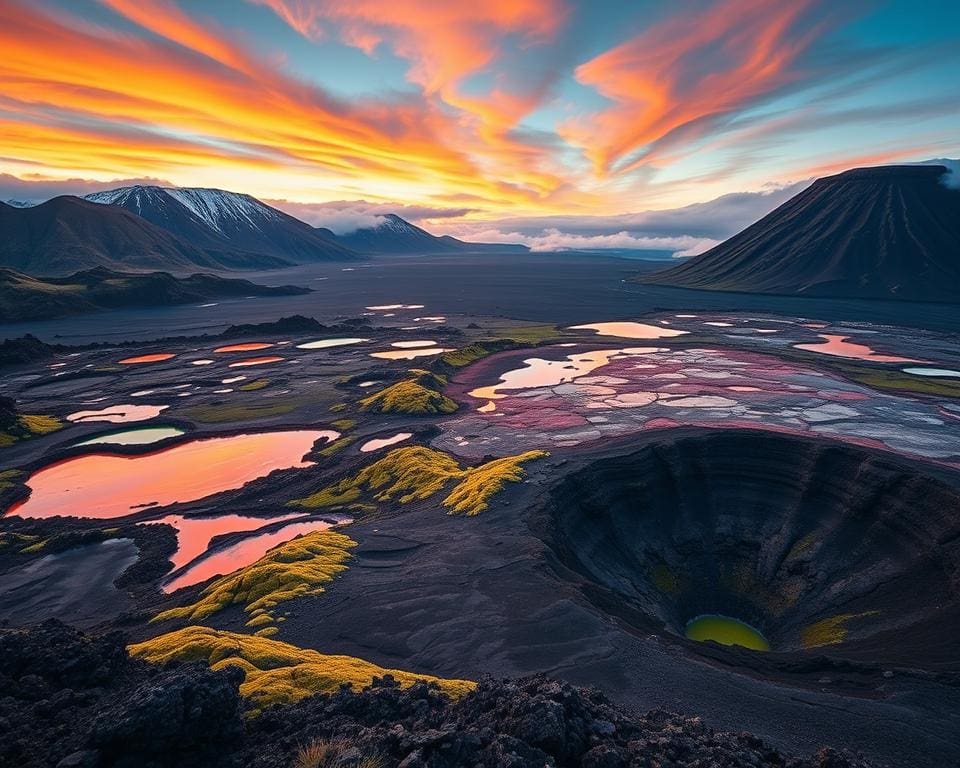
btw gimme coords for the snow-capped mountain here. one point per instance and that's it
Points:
(218, 220)
(19, 203)
(396, 235)
(67, 234)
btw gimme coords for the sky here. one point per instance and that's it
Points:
(550, 119)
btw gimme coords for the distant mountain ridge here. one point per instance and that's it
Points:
(397, 235)
(885, 232)
(218, 220)
(23, 297)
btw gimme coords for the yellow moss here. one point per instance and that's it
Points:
(419, 395)
(266, 632)
(458, 358)
(338, 407)
(472, 495)
(253, 386)
(299, 567)
(343, 424)
(38, 547)
(276, 672)
(39, 424)
(830, 631)
(527, 334)
(415, 472)
(6, 439)
(336, 446)
(8, 476)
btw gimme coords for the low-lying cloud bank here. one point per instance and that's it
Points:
(346, 216)
(553, 239)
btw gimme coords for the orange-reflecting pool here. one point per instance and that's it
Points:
(241, 554)
(841, 346)
(194, 534)
(105, 485)
(154, 358)
(250, 346)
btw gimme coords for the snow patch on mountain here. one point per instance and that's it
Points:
(215, 207)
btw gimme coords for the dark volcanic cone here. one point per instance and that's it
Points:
(890, 232)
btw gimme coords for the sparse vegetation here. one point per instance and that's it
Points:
(327, 753)
(343, 424)
(416, 396)
(8, 478)
(275, 672)
(459, 358)
(830, 631)
(21, 426)
(255, 385)
(302, 566)
(225, 412)
(416, 472)
(336, 446)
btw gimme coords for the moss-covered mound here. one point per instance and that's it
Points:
(416, 472)
(302, 566)
(419, 395)
(276, 672)
(16, 426)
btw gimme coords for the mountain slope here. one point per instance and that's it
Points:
(66, 233)
(886, 232)
(32, 298)
(217, 221)
(396, 235)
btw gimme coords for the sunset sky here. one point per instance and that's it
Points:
(472, 111)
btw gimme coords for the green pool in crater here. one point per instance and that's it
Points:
(726, 631)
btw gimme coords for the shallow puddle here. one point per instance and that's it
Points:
(154, 358)
(841, 346)
(630, 330)
(383, 442)
(251, 361)
(105, 485)
(538, 372)
(726, 631)
(412, 344)
(141, 436)
(241, 554)
(194, 534)
(250, 346)
(327, 343)
(119, 414)
(945, 372)
(409, 354)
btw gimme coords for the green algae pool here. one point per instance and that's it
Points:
(726, 631)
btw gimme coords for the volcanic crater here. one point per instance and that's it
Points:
(814, 544)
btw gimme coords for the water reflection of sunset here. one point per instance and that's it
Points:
(103, 485)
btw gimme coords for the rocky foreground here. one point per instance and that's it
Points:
(70, 699)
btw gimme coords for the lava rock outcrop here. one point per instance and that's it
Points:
(75, 700)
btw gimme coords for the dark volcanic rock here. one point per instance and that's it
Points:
(826, 548)
(889, 232)
(74, 700)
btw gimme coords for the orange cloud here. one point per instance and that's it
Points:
(86, 99)
(446, 44)
(679, 76)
